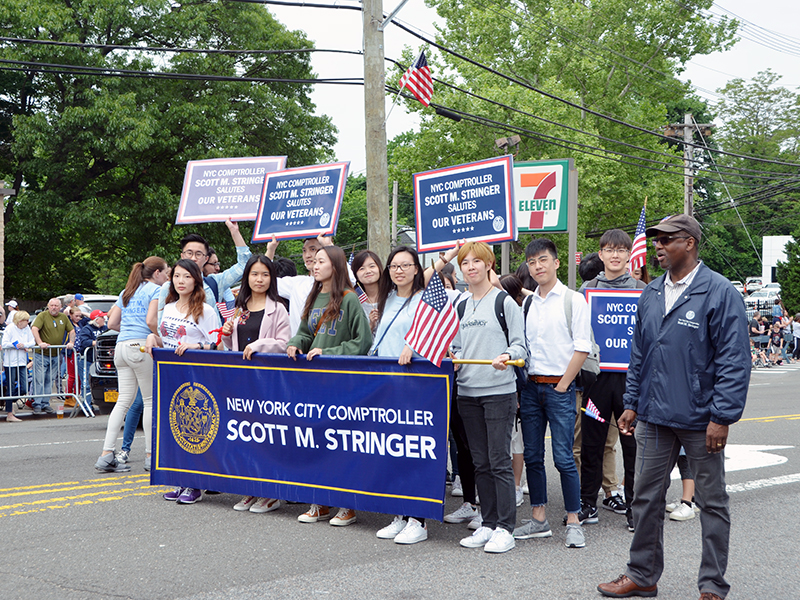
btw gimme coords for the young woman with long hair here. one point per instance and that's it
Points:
(402, 285)
(333, 322)
(367, 267)
(135, 316)
(260, 324)
(186, 323)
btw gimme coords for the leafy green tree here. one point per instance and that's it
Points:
(99, 161)
(789, 275)
(610, 56)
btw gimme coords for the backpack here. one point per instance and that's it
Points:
(591, 366)
(499, 312)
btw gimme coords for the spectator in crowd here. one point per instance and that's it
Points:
(212, 267)
(134, 316)
(331, 301)
(260, 324)
(590, 266)
(50, 328)
(688, 317)
(12, 306)
(775, 344)
(641, 274)
(557, 353)
(367, 268)
(87, 340)
(74, 372)
(79, 301)
(796, 336)
(524, 274)
(69, 302)
(487, 399)
(17, 341)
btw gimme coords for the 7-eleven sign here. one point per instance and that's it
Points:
(540, 195)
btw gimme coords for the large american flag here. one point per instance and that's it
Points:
(435, 323)
(639, 251)
(418, 79)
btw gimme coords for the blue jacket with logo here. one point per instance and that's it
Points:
(692, 365)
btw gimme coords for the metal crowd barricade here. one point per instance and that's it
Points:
(45, 366)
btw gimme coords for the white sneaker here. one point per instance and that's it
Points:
(673, 505)
(520, 496)
(467, 512)
(478, 539)
(501, 541)
(392, 529)
(683, 513)
(245, 503)
(265, 505)
(457, 491)
(476, 522)
(525, 489)
(414, 532)
(344, 517)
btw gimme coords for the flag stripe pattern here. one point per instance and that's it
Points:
(362, 295)
(418, 80)
(224, 311)
(435, 323)
(592, 411)
(639, 250)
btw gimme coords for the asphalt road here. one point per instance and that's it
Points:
(67, 532)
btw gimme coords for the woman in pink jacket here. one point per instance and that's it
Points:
(260, 324)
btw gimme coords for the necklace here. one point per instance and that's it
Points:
(476, 305)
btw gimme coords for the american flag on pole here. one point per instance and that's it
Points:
(418, 80)
(639, 250)
(435, 323)
(225, 312)
(592, 411)
(362, 295)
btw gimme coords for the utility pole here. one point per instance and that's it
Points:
(3, 193)
(685, 131)
(378, 235)
(395, 194)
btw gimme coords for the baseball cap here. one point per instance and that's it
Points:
(12, 303)
(78, 296)
(96, 313)
(675, 223)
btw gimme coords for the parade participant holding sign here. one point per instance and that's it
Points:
(260, 324)
(135, 316)
(332, 323)
(402, 285)
(558, 350)
(606, 394)
(687, 383)
(487, 399)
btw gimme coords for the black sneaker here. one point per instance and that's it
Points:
(629, 518)
(587, 514)
(614, 502)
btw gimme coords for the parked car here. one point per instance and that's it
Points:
(753, 284)
(773, 286)
(762, 300)
(103, 373)
(739, 286)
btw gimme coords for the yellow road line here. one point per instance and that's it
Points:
(773, 418)
(103, 493)
(46, 485)
(31, 492)
(37, 509)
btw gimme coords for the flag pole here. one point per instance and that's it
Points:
(392, 107)
(520, 362)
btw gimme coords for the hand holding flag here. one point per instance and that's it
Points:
(435, 323)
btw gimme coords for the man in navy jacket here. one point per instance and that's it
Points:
(687, 383)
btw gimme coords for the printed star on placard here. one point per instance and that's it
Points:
(472, 228)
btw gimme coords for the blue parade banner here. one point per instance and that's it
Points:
(358, 432)
(474, 201)
(613, 315)
(218, 188)
(301, 203)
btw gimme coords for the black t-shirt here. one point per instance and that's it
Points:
(249, 328)
(754, 324)
(776, 337)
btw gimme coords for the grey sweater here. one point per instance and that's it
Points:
(480, 336)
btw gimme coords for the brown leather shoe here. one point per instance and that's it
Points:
(624, 587)
(710, 596)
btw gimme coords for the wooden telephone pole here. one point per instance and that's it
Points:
(685, 131)
(3, 193)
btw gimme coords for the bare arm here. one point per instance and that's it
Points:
(39, 342)
(152, 315)
(238, 240)
(115, 316)
(573, 368)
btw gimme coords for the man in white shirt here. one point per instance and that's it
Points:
(557, 352)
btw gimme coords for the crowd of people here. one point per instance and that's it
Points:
(683, 388)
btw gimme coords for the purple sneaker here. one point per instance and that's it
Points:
(174, 494)
(190, 496)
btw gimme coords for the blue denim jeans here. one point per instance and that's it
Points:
(539, 405)
(45, 369)
(132, 421)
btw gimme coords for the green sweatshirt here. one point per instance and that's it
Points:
(348, 335)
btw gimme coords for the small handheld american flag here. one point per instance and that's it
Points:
(225, 312)
(591, 410)
(639, 250)
(435, 323)
(418, 79)
(362, 295)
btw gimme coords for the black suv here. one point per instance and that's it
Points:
(103, 373)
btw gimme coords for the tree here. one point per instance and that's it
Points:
(789, 275)
(608, 56)
(99, 161)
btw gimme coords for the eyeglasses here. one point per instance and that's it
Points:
(403, 267)
(190, 254)
(666, 239)
(212, 264)
(612, 251)
(542, 260)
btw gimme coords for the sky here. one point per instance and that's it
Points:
(341, 29)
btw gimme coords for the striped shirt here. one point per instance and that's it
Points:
(673, 291)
